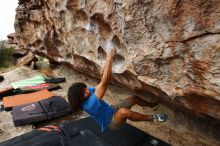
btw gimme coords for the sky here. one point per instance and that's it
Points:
(7, 17)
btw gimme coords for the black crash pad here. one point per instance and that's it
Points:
(127, 135)
(85, 132)
(55, 138)
(36, 138)
(23, 137)
(86, 138)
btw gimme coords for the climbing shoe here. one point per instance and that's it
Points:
(158, 118)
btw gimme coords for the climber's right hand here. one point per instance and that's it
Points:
(111, 53)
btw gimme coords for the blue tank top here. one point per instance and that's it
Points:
(98, 109)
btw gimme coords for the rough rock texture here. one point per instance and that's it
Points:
(169, 49)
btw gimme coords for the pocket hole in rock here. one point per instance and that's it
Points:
(69, 56)
(116, 42)
(104, 29)
(82, 19)
(118, 64)
(101, 53)
(118, 46)
(71, 4)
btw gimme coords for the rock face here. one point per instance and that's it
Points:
(168, 49)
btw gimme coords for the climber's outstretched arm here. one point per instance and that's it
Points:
(102, 86)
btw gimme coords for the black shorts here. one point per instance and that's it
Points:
(114, 125)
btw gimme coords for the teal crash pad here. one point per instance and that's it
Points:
(29, 82)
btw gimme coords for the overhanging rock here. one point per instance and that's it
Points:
(168, 49)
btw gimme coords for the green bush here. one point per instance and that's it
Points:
(5, 55)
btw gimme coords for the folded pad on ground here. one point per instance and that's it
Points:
(46, 109)
(17, 100)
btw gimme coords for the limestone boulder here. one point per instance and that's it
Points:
(166, 49)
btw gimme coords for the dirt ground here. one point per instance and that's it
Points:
(180, 130)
